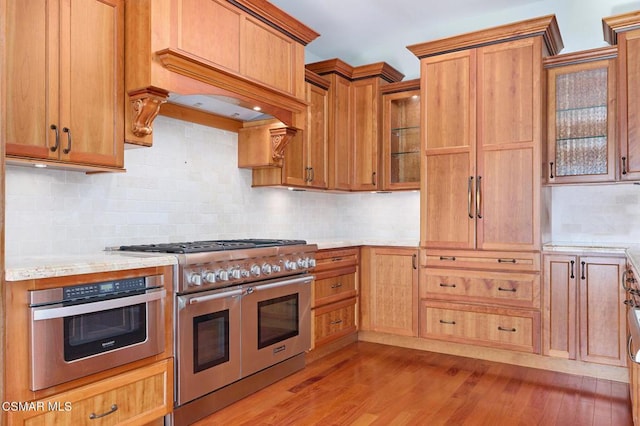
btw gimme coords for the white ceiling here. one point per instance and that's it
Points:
(366, 31)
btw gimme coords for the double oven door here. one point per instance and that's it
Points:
(227, 334)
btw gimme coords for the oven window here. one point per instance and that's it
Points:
(210, 340)
(277, 320)
(97, 332)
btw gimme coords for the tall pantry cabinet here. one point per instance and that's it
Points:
(481, 177)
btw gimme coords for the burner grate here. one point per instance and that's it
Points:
(209, 246)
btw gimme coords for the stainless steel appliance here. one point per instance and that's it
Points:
(83, 329)
(242, 318)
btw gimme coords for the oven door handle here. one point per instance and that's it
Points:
(48, 313)
(300, 280)
(215, 296)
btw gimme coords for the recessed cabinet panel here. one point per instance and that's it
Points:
(449, 215)
(218, 22)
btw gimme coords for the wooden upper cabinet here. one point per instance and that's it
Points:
(581, 110)
(65, 83)
(482, 143)
(448, 90)
(509, 139)
(340, 142)
(624, 30)
(306, 156)
(366, 134)
(401, 135)
(355, 114)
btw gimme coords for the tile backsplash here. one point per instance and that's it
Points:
(186, 187)
(596, 213)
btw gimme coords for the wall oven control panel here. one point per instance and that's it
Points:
(104, 288)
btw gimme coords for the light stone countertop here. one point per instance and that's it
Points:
(47, 267)
(334, 244)
(59, 266)
(585, 247)
(40, 267)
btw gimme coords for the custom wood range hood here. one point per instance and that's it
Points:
(207, 57)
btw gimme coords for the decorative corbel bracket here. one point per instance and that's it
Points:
(145, 105)
(280, 137)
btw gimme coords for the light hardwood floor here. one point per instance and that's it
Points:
(372, 384)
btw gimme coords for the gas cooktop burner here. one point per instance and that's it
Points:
(207, 246)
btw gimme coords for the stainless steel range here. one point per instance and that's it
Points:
(242, 318)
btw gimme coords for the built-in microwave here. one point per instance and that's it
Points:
(83, 329)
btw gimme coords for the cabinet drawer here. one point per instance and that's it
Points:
(133, 398)
(502, 288)
(486, 260)
(333, 289)
(335, 259)
(498, 327)
(334, 321)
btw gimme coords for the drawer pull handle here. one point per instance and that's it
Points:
(447, 258)
(94, 416)
(583, 271)
(511, 330)
(335, 322)
(447, 322)
(506, 261)
(336, 259)
(447, 285)
(513, 290)
(336, 285)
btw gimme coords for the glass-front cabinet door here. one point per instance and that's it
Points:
(401, 138)
(581, 121)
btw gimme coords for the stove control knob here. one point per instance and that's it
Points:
(244, 273)
(266, 268)
(234, 273)
(195, 279)
(210, 277)
(222, 275)
(303, 263)
(290, 265)
(275, 268)
(312, 262)
(255, 270)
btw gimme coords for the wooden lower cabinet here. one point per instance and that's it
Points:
(389, 297)
(335, 295)
(134, 398)
(584, 311)
(330, 322)
(486, 298)
(514, 329)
